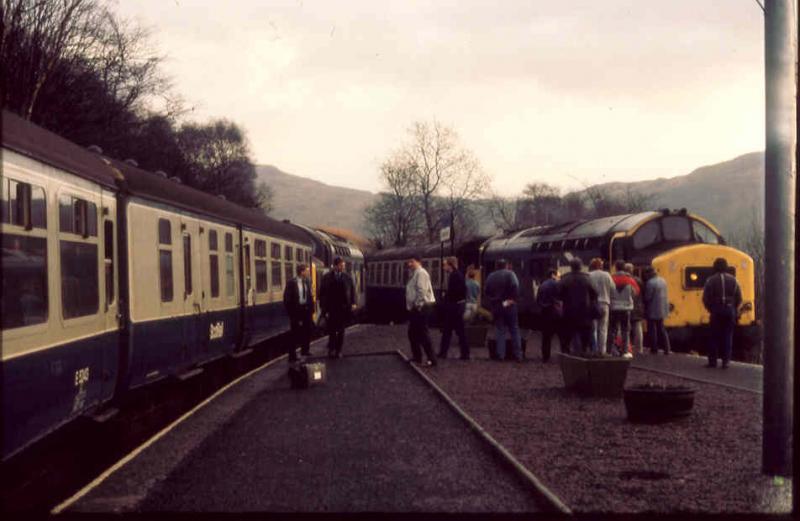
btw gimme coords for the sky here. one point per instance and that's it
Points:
(566, 92)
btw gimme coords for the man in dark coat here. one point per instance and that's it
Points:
(455, 300)
(722, 297)
(502, 293)
(551, 314)
(338, 300)
(580, 299)
(299, 302)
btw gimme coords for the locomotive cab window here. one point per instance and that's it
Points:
(704, 234)
(676, 228)
(647, 235)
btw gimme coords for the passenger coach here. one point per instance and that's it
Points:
(114, 277)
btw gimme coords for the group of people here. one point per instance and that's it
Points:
(590, 312)
(337, 302)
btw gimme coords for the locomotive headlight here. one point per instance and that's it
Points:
(748, 306)
(693, 276)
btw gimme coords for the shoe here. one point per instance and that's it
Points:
(724, 365)
(710, 365)
(627, 355)
(428, 363)
(415, 361)
(667, 352)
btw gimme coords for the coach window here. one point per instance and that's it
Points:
(24, 273)
(275, 271)
(676, 229)
(79, 270)
(165, 259)
(187, 264)
(287, 266)
(228, 264)
(213, 262)
(108, 259)
(261, 266)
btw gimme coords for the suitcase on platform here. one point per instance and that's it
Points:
(306, 374)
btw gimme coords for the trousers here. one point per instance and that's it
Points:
(418, 335)
(454, 321)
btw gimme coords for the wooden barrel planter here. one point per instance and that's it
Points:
(602, 376)
(651, 403)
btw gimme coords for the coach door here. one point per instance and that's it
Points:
(110, 303)
(192, 286)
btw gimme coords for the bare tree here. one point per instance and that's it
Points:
(443, 169)
(35, 37)
(394, 218)
(265, 195)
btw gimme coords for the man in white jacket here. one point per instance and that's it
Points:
(603, 284)
(419, 303)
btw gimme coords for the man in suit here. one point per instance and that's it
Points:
(455, 300)
(299, 302)
(656, 305)
(338, 300)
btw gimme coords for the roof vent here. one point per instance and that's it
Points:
(176, 179)
(132, 162)
(94, 148)
(221, 196)
(161, 173)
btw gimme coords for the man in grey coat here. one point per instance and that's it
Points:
(656, 306)
(502, 292)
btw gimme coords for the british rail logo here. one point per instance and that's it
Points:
(216, 330)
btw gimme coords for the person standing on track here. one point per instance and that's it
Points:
(656, 305)
(299, 302)
(552, 309)
(455, 300)
(722, 297)
(338, 300)
(419, 303)
(502, 292)
(603, 284)
(621, 307)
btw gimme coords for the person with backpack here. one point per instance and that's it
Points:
(722, 297)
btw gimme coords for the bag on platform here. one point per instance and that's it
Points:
(303, 375)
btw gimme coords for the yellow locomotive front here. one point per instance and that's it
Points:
(685, 270)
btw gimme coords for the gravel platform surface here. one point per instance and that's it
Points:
(374, 437)
(586, 452)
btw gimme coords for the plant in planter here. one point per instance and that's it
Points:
(594, 374)
(656, 402)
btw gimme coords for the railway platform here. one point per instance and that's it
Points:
(382, 435)
(372, 438)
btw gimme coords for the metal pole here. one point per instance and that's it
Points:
(780, 43)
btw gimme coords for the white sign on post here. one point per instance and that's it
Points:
(444, 234)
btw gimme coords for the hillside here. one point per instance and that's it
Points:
(310, 202)
(726, 193)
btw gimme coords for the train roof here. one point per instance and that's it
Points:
(31, 140)
(38, 143)
(424, 251)
(321, 237)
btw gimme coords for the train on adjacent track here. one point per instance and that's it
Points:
(681, 246)
(114, 278)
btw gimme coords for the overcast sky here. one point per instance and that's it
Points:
(566, 92)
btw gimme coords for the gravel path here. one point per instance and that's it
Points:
(590, 456)
(373, 438)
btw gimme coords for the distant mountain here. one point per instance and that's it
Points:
(729, 194)
(313, 203)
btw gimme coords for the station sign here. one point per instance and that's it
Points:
(444, 234)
